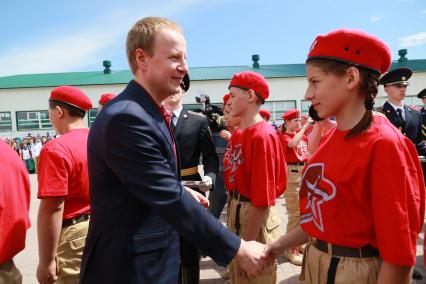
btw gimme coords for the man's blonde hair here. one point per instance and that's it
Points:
(142, 35)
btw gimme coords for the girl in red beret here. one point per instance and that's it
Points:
(362, 193)
(295, 146)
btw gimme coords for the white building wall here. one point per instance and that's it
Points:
(281, 89)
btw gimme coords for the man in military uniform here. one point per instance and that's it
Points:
(422, 96)
(405, 118)
(194, 140)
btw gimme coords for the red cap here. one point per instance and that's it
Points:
(72, 96)
(352, 47)
(290, 114)
(106, 98)
(251, 80)
(264, 113)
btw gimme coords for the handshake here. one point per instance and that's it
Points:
(253, 257)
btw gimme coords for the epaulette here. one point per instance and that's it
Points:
(379, 109)
(413, 107)
(196, 113)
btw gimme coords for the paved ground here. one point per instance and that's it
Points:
(210, 272)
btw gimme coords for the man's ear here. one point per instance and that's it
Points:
(353, 78)
(141, 57)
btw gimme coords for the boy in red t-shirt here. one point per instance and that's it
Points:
(63, 187)
(257, 167)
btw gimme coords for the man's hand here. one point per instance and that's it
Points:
(206, 184)
(47, 273)
(250, 258)
(198, 197)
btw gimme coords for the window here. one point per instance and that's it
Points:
(305, 106)
(5, 121)
(33, 120)
(92, 113)
(278, 108)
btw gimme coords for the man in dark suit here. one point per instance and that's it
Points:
(139, 206)
(194, 141)
(422, 96)
(405, 118)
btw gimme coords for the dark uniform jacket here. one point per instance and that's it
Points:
(139, 206)
(194, 139)
(412, 127)
(423, 111)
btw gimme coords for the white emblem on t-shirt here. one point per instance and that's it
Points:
(318, 190)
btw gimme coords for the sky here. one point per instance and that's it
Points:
(70, 36)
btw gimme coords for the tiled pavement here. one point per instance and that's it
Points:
(210, 272)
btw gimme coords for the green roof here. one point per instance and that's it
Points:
(196, 74)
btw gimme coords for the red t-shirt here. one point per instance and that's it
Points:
(296, 154)
(228, 166)
(257, 164)
(14, 203)
(367, 189)
(63, 172)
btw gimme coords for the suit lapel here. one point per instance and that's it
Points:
(142, 97)
(183, 117)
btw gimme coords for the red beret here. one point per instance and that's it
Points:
(226, 98)
(290, 114)
(352, 47)
(251, 80)
(106, 98)
(72, 96)
(264, 113)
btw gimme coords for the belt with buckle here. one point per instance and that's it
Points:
(73, 221)
(297, 164)
(335, 250)
(237, 196)
(189, 171)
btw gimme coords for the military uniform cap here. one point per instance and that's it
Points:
(396, 76)
(422, 94)
(106, 98)
(72, 96)
(251, 80)
(185, 83)
(290, 114)
(354, 47)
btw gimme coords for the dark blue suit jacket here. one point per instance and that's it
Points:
(412, 127)
(138, 204)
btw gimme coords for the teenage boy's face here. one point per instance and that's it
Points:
(166, 68)
(238, 101)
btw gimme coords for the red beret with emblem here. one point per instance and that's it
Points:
(354, 47)
(251, 80)
(72, 96)
(106, 98)
(264, 113)
(290, 114)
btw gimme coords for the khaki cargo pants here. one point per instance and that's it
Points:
(9, 274)
(269, 232)
(70, 252)
(291, 195)
(350, 270)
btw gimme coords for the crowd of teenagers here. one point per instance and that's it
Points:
(133, 210)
